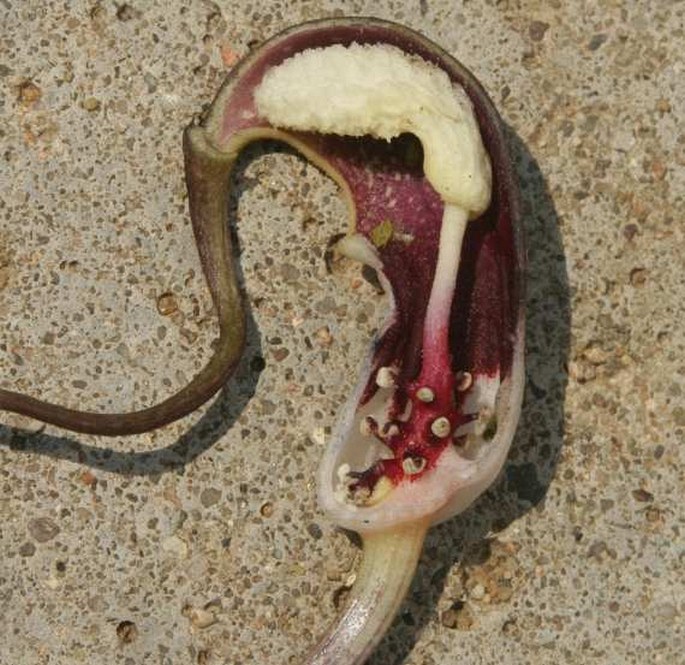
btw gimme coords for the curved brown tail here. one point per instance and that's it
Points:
(207, 178)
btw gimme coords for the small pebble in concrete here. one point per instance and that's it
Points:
(638, 276)
(127, 632)
(210, 497)
(29, 93)
(537, 30)
(200, 617)
(91, 104)
(314, 530)
(126, 13)
(459, 617)
(167, 304)
(43, 529)
(642, 495)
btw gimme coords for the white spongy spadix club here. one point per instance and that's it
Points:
(381, 91)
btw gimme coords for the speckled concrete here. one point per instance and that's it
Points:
(202, 543)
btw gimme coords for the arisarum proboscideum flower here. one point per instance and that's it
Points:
(418, 151)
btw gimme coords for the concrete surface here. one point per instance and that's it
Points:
(120, 551)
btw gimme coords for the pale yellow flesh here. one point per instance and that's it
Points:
(380, 91)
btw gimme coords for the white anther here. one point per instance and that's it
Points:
(441, 427)
(425, 394)
(413, 465)
(385, 377)
(464, 381)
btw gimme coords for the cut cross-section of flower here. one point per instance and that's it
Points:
(382, 92)
(418, 151)
(416, 147)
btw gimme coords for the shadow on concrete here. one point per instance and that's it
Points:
(464, 540)
(201, 436)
